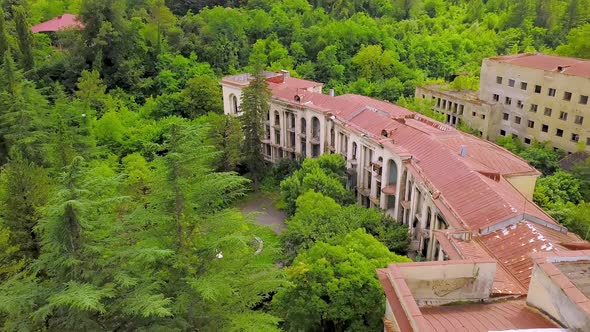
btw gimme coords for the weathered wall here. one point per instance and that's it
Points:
(449, 281)
(549, 297)
(525, 184)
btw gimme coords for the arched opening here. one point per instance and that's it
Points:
(268, 116)
(315, 127)
(303, 126)
(234, 104)
(277, 118)
(332, 138)
(428, 218)
(392, 168)
(384, 133)
(391, 184)
(354, 148)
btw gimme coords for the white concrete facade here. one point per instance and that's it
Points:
(378, 177)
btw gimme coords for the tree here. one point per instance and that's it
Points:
(25, 40)
(91, 89)
(23, 118)
(325, 174)
(213, 265)
(255, 106)
(581, 171)
(225, 134)
(557, 189)
(334, 286)
(542, 157)
(25, 190)
(577, 45)
(3, 35)
(201, 95)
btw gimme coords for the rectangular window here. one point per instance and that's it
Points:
(511, 83)
(548, 111)
(496, 97)
(503, 132)
(523, 85)
(483, 116)
(579, 119)
(534, 108)
(583, 100)
(563, 116)
(517, 120)
(508, 101)
(567, 96)
(531, 124)
(559, 133)
(527, 140)
(545, 128)
(537, 89)
(473, 114)
(506, 116)
(461, 107)
(551, 92)
(575, 138)
(520, 104)
(499, 79)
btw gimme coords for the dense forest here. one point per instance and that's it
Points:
(120, 174)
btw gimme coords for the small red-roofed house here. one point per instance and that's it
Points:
(62, 22)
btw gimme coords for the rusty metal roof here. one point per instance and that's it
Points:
(546, 62)
(497, 316)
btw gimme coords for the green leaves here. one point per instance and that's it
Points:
(84, 297)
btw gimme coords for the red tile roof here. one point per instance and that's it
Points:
(553, 63)
(497, 316)
(61, 22)
(513, 245)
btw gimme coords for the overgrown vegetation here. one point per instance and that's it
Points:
(565, 195)
(118, 169)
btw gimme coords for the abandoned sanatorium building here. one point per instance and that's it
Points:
(462, 197)
(531, 96)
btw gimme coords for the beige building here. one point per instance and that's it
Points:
(440, 182)
(529, 96)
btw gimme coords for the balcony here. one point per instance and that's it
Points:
(364, 191)
(377, 164)
(406, 204)
(377, 176)
(291, 129)
(375, 200)
(390, 189)
(315, 140)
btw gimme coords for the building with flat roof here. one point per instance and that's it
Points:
(458, 295)
(531, 96)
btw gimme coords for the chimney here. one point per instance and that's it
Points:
(561, 69)
(286, 74)
(331, 92)
(463, 151)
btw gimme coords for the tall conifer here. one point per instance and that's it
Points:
(255, 105)
(25, 39)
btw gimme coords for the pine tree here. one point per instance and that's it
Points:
(3, 35)
(23, 115)
(213, 266)
(25, 190)
(255, 105)
(25, 39)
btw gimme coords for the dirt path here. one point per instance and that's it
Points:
(265, 213)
